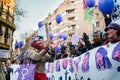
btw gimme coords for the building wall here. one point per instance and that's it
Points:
(7, 26)
(99, 19)
(73, 20)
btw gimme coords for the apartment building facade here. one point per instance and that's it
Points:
(73, 20)
(7, 26)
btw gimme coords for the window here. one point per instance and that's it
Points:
(72, 1)
(96, 15)
(95, 6)
(70, 10)
(0, 27)
(1, 32)
(73, 27)
(1, 8)
(70, 35)
(78, 2)
(8, 13)
(6, 33)
(97, 24)
(50, 23)
(71, 18)
(6, 36)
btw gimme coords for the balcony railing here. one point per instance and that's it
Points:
(5, 14)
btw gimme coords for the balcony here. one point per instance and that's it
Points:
(6, 18)
(70, 31)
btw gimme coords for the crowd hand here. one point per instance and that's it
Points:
(55, 45)
(48, 43)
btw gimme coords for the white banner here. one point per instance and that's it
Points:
(116, 12)
(15, 73)
(101, 63)
(4, 53)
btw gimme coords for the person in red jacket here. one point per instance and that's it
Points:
(40, 53)
(113, 33)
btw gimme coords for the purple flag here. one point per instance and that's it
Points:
(26, 72)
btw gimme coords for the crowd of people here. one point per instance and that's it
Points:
(41, 52)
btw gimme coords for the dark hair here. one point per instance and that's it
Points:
(106, 61)
(85, 36)
(72, 46)
(118, 33)
(63, 47)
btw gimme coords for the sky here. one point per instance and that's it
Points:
(36, 10)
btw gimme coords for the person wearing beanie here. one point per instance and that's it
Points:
(40, 54)
(113, 33)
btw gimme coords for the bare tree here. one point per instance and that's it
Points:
(19, 13)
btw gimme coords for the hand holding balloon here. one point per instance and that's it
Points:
(48, 43)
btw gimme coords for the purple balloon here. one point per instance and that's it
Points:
(106, 6)
(65, 36)
(57, 49)
(51, 35)
(40, 24)
(17, 45)
(60, 36)
(58, 18)
(90, 3)
(21, 43)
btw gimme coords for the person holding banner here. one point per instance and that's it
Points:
(41, 54)
(113, 33)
